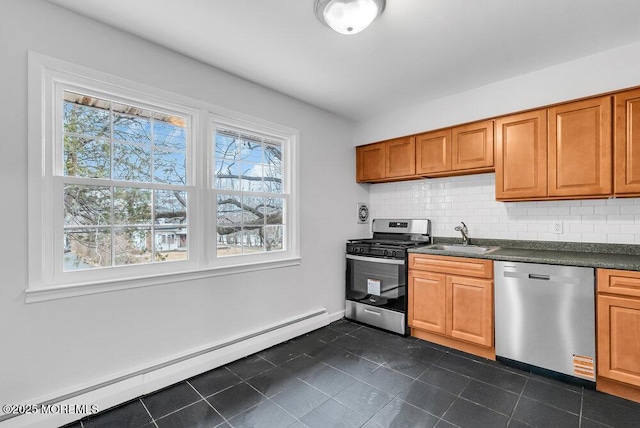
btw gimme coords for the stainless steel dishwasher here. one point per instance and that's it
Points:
(545, 317)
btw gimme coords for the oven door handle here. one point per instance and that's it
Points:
(375, 260)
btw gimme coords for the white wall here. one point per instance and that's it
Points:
(604, 72)
(471, 199)
(56, 345)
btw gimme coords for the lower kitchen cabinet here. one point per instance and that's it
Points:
(451, 302)
(618, 326)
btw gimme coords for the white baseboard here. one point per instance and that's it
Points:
(158, 375)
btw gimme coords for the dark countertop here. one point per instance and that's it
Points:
(610, 256)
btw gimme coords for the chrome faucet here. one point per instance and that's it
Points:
(465, 233)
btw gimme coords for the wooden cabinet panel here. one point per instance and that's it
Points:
(621, 282)
(470, 309)
(627, 143)
(580, 148)
(472, 146)
(618, 344)
(370, 162)
(400, 159)
(427, 301)
(433, 152)
(521, 156)
(448, 305)
(478, 268)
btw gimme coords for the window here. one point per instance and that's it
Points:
(250, 193)
(124, 177)
(122, 193)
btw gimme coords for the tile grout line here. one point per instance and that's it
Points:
(518, 402)
(207, 401)
(148, 412)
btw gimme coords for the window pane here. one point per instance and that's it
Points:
(227, 174)
(170, 207)
(273, 210)
(253, 210)
(169, 167)
(273, 156)
(251, 177)
(86, 157)
(169, 132)
(225, 147)
(131, 124)
(253, 240)
(171, 225)
(272, 180)
(274, 237)
(87, 249)
(87, 205)
(132, 246)
(132, 206)
(86, 115)
(229, 225)
(171, 243)
(131, 163)
(251, 151)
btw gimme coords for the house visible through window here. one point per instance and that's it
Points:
(250, 191)
(124, 171)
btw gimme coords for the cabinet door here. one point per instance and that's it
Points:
(472, 146)
(580, 148)
(627, 143)
(427, 301)
(370, 162)
(618, 344)
(400, 157)
(433, 152)
(470, 309)
(521, 156)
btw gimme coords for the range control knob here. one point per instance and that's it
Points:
(386, 253)
(393, 253)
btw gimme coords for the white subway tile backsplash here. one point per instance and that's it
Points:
(447, 201)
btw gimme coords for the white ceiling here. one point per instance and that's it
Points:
(417, 51)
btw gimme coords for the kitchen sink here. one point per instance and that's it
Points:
(457, 248)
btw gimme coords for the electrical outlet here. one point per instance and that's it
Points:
(556, 227)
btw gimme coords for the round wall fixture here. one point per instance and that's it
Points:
(363, 213)
(348, 16)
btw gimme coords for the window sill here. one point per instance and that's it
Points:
(33, 295)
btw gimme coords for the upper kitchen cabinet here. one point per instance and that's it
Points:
(386, 161)
(521, 156)
(400, 159)
(580, 148)
(472, 146)
(433, 152)
(370, 162)
(627, 143)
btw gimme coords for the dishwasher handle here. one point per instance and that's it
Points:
(540, 277)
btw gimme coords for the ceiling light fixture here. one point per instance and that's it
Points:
(348, 16)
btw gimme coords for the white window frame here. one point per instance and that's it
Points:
(269, 133)
(48, 77)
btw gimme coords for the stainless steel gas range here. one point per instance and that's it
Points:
(376, 283)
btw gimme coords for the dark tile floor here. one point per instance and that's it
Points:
(348, 375)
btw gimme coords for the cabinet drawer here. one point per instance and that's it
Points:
(622, 282)
(476, 268)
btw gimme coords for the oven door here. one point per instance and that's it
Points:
(377, 282)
